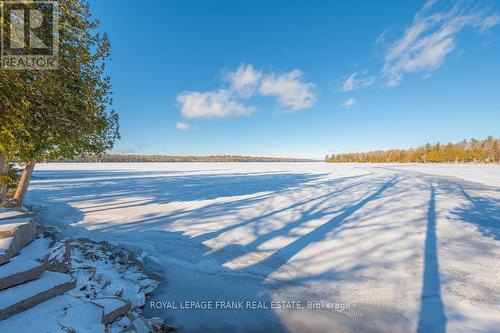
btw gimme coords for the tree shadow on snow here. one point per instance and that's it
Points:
(432, 317)
(200, 262)
(159, 189)
(482, 212)
(280, 257)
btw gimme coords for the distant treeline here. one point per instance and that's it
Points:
(476, 151)
(165, 158)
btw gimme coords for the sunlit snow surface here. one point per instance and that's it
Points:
(397, 248)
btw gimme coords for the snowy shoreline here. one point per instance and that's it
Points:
(105, 277)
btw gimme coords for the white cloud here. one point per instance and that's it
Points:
(244, 80)
(182, 126)
(431, 37)
(354, 82)
(212, 104)
(289, 89)
(349, 103)
(382, 37)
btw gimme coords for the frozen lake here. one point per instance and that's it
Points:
(380, 248)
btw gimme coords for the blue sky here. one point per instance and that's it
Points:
(301, 78)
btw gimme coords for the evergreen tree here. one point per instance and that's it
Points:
(62, 113)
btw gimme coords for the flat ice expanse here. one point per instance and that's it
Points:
(380, 248)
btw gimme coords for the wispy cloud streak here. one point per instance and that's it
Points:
(431, 37)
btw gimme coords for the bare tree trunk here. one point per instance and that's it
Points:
(4, 168)
(22, 187)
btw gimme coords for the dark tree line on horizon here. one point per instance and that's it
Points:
(166, 158)
(472, 151)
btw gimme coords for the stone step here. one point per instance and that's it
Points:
(15, 234)
(61, 314)
(17, 272)
(8, 226)
(22, 297)
(21, 268)
(6, 213)
(38, 249)
(4, 246)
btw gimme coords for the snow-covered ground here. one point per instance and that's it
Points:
(379, 248)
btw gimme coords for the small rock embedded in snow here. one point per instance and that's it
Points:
(59, 258)
(142, 325)
(114, 307)
(157, 321)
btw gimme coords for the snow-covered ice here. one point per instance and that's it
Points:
(378, 248)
